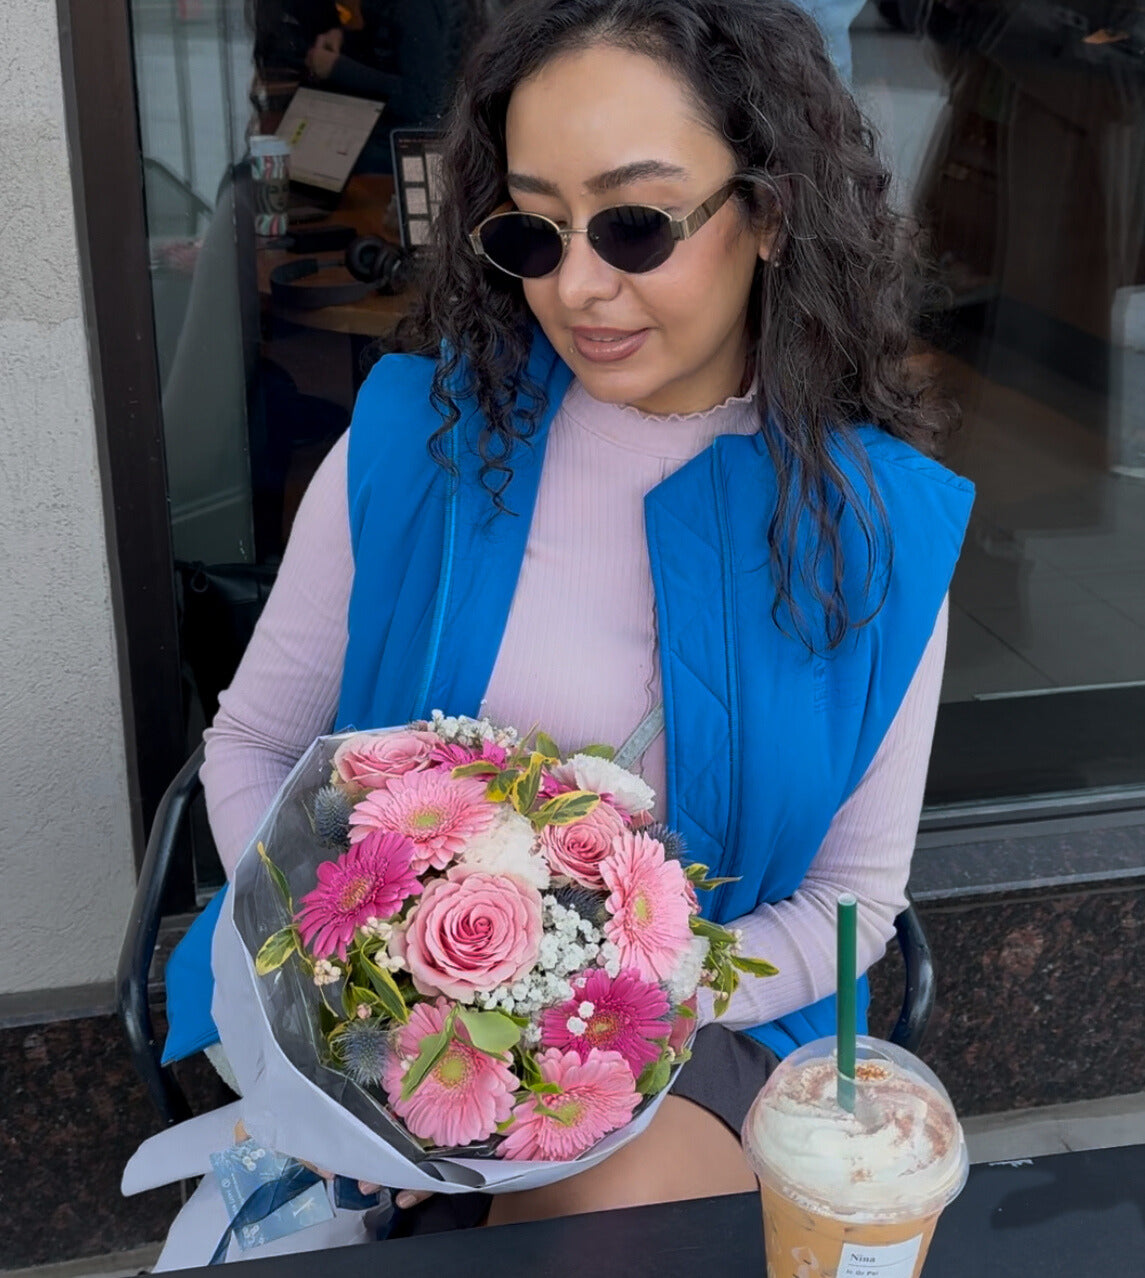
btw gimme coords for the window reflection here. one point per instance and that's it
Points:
(1018, 137)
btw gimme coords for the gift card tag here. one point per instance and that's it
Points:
(245, 1168)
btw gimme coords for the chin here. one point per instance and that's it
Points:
(616, 386)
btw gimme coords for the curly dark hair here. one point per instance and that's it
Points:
(830, 317)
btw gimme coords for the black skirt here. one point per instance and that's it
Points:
(723, 1076)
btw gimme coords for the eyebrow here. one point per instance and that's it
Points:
(625, 175)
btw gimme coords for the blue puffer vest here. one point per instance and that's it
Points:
(765, 740)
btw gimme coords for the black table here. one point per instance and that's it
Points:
(1076, 1215)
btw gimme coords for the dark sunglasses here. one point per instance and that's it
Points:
(633, 238)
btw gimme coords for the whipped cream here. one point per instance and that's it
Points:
(900, 1150)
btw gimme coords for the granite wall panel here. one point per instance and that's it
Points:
(1039, 998)
(73, 1112)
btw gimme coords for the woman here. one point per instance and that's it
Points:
(664, 444)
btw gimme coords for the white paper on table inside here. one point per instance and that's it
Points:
(292, 1114)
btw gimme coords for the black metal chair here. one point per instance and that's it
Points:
(143, 929)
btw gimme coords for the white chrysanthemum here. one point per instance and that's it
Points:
(686, 975)
(588, 772)
(507, 847)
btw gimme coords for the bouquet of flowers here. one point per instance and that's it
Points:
(486, 952)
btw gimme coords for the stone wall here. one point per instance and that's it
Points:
(65, 842)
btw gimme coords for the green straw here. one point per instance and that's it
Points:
(845, 943)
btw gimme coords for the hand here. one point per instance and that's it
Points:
(410, 1197)
(320, 60)
(331, 40)
(364, 1186)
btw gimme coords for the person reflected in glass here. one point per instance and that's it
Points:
(656, 436)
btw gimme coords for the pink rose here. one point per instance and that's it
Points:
(470, 931)
(370, 760)
(577, 849)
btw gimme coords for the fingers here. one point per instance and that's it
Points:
(367, 1187)
(411, 1197)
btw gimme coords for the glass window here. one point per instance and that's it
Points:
(1017, 139)
(1017, 136)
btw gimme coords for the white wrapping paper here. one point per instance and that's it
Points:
(290, 1101)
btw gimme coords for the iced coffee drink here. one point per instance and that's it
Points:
(853, 1193)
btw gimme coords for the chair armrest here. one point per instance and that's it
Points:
(139, 941)
(918, 1000)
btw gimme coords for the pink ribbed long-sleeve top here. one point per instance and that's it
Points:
(579, 658)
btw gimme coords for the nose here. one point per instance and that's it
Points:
(584, 276)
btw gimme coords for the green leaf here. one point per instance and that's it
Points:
(276, 949)
(696, 875)
(548, 747)
(499, 789)
(528, 786)
(754, 966)
(478, 768)
(328, 1023)
(713, 931)
(489, 1032)
(432, 1048)
(682, 1009)
(386, 989)
(277, 878)
(566, 808)
(354, 995)
(531, 1075)
(545, 1089)
(598, 751)
(654, 1077)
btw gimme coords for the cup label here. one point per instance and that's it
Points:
(887, 1260)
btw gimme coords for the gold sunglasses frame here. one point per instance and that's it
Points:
(680, 228)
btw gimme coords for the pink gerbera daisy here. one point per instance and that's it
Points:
(437, 812)
(649, 904)
(464, 1096)
(454, 756)
(620, 1014)
(597, 1096)
(372, 879)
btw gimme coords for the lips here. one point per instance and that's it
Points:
(606, 345)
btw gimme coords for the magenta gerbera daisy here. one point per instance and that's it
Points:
(464, 1096)
(597, 1096)
(438, 813)
(454, 756)
(620, 1014)
(649, 904)
(372, 879)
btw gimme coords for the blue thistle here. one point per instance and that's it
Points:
(363, 1050)
(587, 903)
(675, 845)
(332, 816)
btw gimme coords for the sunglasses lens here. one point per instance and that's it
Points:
(522, 244)
(633, 237)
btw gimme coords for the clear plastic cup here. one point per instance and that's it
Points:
(853, 1195)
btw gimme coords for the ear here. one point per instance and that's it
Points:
(767, 243)
(769, 219)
